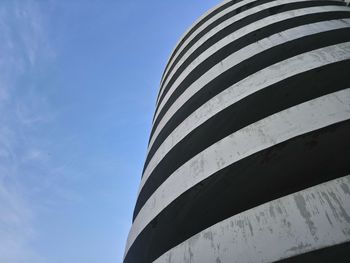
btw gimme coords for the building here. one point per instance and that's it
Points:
(249, 153)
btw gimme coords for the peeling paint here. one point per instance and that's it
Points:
(283, 125)
(272, 212)
(301, 228)
(330, 204)
(250, 227)
(345, 188)
(343, 213)
(300, 248)
(209, 236)
(329, 220)
(279, 210)
(301, 204)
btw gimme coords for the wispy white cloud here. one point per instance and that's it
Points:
(23, 46)
(16, 230)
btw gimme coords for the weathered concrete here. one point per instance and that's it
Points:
(199, 29)
(213, 73)
(315, 218)
(254, 83)
(252, 107)
(238, 57)
(220, 27)
(239, 33)
(263, 134)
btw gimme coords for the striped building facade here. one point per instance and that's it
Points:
(249, 153)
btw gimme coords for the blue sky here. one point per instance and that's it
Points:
(78, 83)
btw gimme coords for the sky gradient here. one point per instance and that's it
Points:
(78, 84)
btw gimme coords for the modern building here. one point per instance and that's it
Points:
(249, 153)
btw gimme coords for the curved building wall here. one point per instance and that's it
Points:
(249, 152)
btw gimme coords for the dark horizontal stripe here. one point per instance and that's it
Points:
(337, 253)
(196, 26)
(235, 26)
(238, 44)
(210, 27)
(250, 66)
(283, 169)
(282, 95)
(253, 37)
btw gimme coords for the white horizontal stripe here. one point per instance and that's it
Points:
(201, 28)
(238, 57)
(220, 27)
(277, 128)
(244, 31)
(308, 220)
(194, 24)
(243, 53)
(246, 87)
